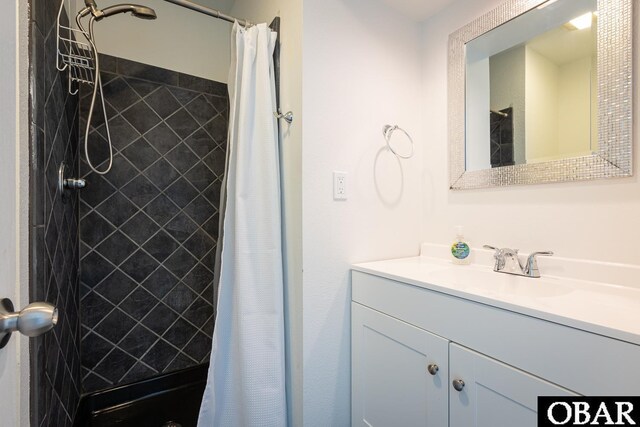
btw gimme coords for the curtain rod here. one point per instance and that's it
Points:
(209, 11)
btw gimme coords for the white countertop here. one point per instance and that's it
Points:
(605, 309)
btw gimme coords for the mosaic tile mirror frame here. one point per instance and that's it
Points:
(612, 158)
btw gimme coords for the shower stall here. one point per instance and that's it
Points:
(124, 235)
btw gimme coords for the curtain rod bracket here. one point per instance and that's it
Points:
(288, 116)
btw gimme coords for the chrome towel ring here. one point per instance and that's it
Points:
(388, 131)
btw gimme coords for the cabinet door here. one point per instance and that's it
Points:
(391, 383)
(494, 394)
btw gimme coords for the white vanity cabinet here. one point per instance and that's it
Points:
(494, 394)
(505, 359)
(400, 372)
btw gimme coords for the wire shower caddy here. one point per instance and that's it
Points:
(74, 53)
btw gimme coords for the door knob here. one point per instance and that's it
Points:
(458, 385)
(433, 368)
(33, 320)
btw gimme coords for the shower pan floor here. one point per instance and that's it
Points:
(156, 402)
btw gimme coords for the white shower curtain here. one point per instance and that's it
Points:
(246, 384)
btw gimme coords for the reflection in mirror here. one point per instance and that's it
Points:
(545, 129)
(531, 88)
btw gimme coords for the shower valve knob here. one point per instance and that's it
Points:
(74, 184)
(33, 320)
(65, 183)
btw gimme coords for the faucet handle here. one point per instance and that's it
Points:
(492, 248)
(543, 253)
(499, 257)
(531, 268)
(500, 250)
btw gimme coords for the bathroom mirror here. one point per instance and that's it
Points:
(541, 91)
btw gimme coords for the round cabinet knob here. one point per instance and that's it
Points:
(433, 368)
(458, 385)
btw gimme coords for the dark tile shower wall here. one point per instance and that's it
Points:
(55, 356)
(149, 227)
(501, 139)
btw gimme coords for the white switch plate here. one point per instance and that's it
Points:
(339, 185)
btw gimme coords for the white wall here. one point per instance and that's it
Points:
(558, 108)
(542, 108)
(594, 89)
(595, 220)
(361, 71)
(574, 108)
(180, 39)
(478, 123)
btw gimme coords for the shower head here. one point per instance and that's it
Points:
(136, 10)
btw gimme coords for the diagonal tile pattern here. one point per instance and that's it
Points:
(147, 227)
(54, 244)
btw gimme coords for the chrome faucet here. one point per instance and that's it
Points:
(507, 261)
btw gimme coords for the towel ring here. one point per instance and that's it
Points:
(387, 131)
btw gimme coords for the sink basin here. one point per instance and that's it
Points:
(477, 279)
(598, 307)
(474, 278)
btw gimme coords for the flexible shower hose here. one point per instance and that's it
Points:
(97, 84)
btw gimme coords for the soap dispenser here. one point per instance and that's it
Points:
(460, 250)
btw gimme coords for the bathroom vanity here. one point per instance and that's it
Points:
(434, 344)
